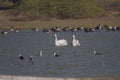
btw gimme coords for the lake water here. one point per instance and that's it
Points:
(72, 62)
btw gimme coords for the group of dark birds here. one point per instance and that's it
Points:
(81, 28)
(21, 57)
(31, 59)
(58, 29)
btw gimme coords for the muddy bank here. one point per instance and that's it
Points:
(11, 77)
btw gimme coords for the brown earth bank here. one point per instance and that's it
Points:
(6, 24)
(10, 77)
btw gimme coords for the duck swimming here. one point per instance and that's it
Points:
(96, 53)
(21, 57)
(56, 55)
(31, 59)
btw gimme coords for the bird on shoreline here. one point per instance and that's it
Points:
(4, 32)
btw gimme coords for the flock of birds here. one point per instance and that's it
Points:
(63, 42)
(60, 42)
(82, 28)
(31, 59)
(58, 29)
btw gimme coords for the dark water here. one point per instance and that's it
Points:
(72, 62)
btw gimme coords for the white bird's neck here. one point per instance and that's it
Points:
(20, 55)
(54, 54)
(94, 52)
(73, 36)
(55, 38)
(40, 53)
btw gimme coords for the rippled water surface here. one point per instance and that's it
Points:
(72, 62)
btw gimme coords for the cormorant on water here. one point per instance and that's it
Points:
(56, 55)
(31, 59)
(21, 57)
(95, 53)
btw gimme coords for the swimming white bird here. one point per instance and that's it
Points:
(61, 42)
(75, 42)
(40, 53)
(56, 55)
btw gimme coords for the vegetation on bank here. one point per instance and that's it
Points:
(62, 9)
(28, 14)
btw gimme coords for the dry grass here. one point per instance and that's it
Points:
(5, 24)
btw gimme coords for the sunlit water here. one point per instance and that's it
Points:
(72, 62)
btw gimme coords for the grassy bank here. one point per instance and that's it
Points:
(30, 14)
(6, 24)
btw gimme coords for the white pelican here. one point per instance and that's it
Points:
(75, 42)
(61, 42)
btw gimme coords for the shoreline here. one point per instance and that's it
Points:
(12, 77)
(41, 24)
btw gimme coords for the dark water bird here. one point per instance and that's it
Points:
(118, 28)
(99, 27)
(96, 53)
(4, 32)
(16, 30)
(86, 29)
(31, 59)
(12, 29)
(21, 57)
(56, 55)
